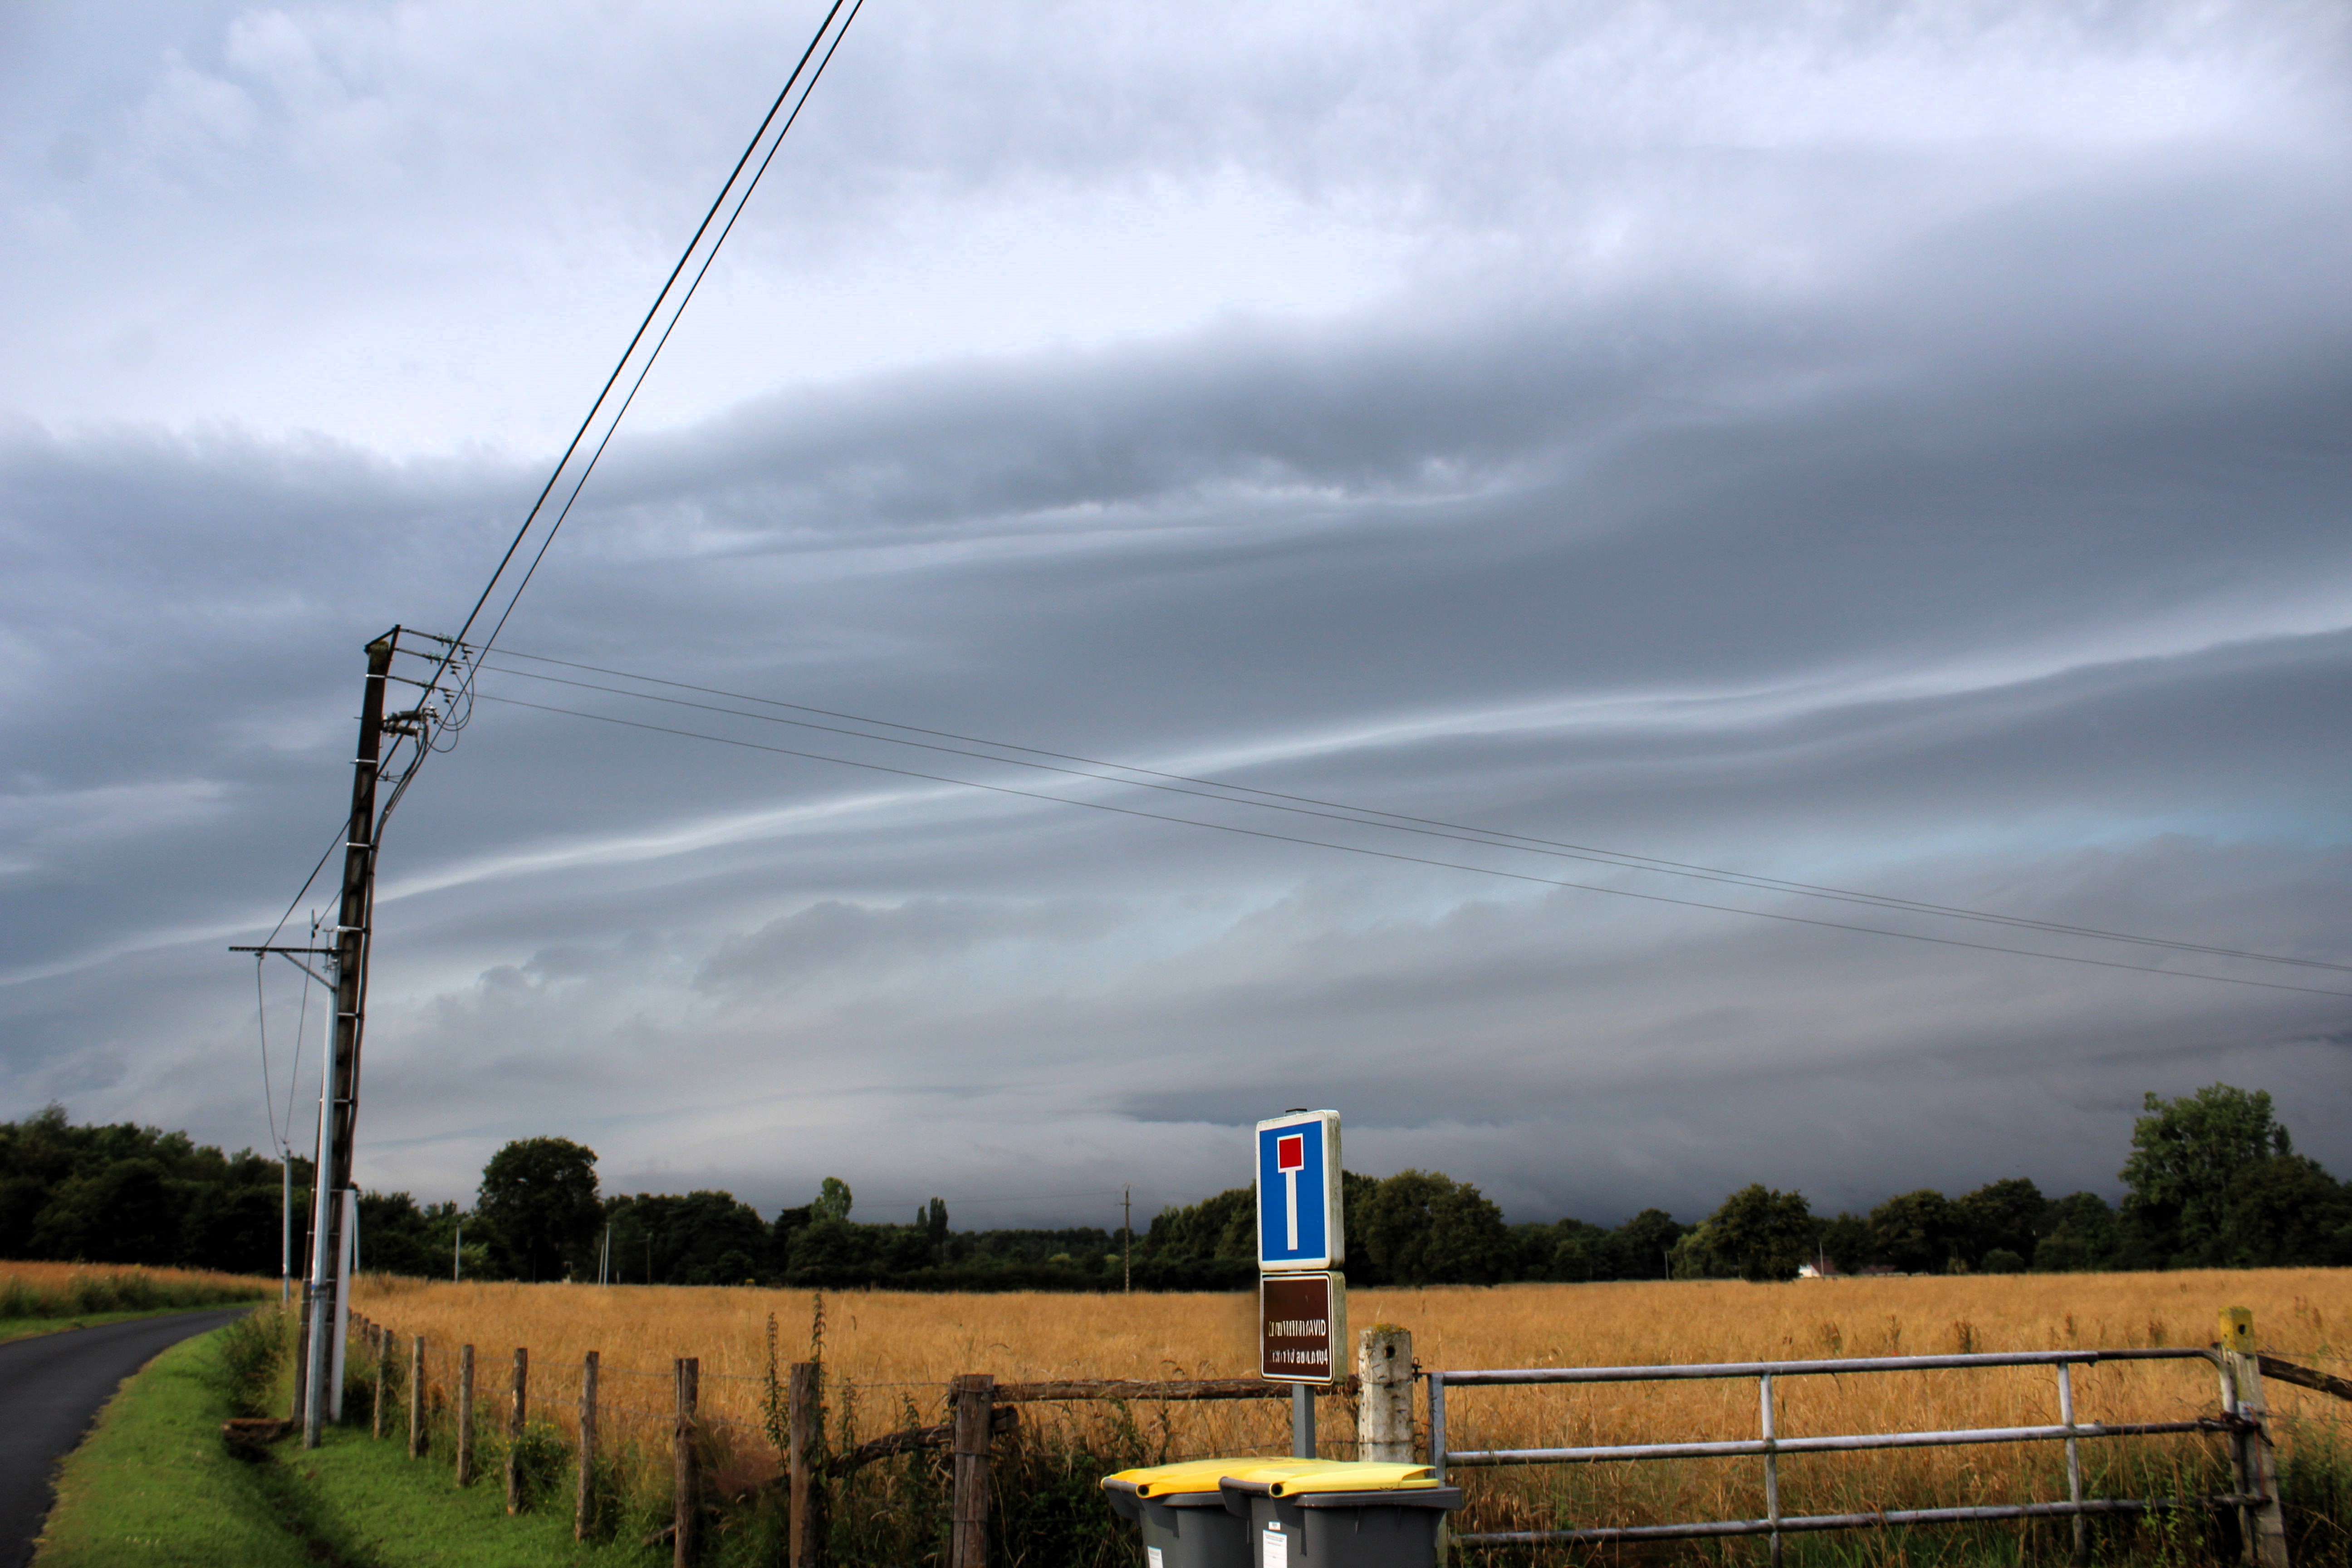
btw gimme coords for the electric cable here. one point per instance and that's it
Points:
(1423, 860)
(638, 338)
(1366, 817)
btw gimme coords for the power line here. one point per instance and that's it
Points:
(1308, 805)
(662, 300)
(1422, 861)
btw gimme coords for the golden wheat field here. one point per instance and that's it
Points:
(62, 1290)
(888, 1357)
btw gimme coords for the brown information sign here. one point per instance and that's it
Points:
(1302, 1321)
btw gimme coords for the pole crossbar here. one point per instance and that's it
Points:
(1701, 1529)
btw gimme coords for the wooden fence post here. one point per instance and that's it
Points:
(975, 1402)
(417, 1399)
(464, 1416)
(514, 1429)
(382, 1339)
(803, 1431)
(2263, 1527)
(584, 1511)
(1384, 1394)
(689, 1373)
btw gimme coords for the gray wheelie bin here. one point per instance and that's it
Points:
(1340, 1515)
(1183, 1516)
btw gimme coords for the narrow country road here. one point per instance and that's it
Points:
(51, 1388)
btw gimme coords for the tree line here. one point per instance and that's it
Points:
(2212, 1180)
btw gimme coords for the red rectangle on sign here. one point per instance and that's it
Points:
(1290, 1153)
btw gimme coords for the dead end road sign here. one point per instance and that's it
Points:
(1299, 1221)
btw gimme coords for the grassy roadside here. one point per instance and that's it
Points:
(153, 1484)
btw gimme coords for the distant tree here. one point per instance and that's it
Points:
(123, 1211)
(539, 1202)
(832, 1199)
(933, 1222)
(2185, 1153)
(1759, 1233)
(1915, 1232)
(1643, 1243)
(2078, 1233)
(1425, 1228)
(2003, 1217)
(2283, 1210)
(1846, 1241)
(1579, 1252)
(788, 1224)
(2002, 1260)
(235, 1229)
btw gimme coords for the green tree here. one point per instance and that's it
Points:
(538, 1200)
(2000, 1216)
(1915, 1232)
(1845, 1242)
(2185, 1153)
(1425, 1228)
(832, 1199)
(2078, 1233)
(1643, 1243)
(2285, 1211)
(1759, 1233)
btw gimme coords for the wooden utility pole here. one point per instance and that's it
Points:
(338, 1115)
(1126, 1239)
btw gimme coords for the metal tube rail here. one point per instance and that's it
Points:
(1728, 1369)
(1743, 1447)
(1700, 1530)
(1770, 1446)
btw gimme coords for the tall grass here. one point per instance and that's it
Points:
(77, 1289)
(889, 1356)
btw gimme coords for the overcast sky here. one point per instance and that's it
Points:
(1901, 448)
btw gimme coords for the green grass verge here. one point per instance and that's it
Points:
(153, 1485)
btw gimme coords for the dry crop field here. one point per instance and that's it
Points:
(67, 1289)
(888, 1357)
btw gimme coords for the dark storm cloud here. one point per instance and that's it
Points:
(1889, 451)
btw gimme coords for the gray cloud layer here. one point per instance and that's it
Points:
(1904, 452)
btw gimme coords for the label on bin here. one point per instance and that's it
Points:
(1302, 1326)
(1154, 1558)
(1273, 1551)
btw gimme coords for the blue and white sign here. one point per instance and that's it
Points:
(1299, 1221)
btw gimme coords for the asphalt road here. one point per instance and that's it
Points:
(51, 1388)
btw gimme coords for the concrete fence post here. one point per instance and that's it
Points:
(1384, 1394)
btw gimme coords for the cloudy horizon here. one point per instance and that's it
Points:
(1898, 449)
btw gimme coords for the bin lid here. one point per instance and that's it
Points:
(1293, 1476)
(1198, 1476)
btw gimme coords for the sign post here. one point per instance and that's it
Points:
(1301, 1248)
